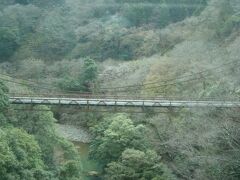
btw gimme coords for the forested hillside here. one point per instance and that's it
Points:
(186, 49)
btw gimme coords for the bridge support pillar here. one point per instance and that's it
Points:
(143, 107)
(88, 108)
(115, 106)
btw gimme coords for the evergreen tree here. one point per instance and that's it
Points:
(135, 164)
(89, 74)
(20, 156)
(4, 103)
(9, 42)
(114, 135)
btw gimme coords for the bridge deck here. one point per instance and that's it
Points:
(124, 102)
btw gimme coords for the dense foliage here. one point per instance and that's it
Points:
(165, 47)
(114, 135)
(20, 156)
(135, 164)
(29, 143)
(53, 30)
(85, 80)
(123, 149)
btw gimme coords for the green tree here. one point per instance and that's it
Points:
(86, 79)
(89, 74)
(17, 21)
(114, 135)
(160, 13)
(20, 156)
(70, 171)
(137, 13)
(40, 124)
(70, 83)
(135, 164)
(227, 21)
(23, 1)
(180, 9)
(4, 102)
(24, 18)
(161, 16)
(9, 42)
(55, 37)
(40, 3)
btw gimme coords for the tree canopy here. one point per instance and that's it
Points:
(114, 136)
(20, 156)
(135, 164)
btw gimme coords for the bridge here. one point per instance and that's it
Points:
(106, 100)
(122, 101)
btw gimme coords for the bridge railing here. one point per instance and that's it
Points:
(123, 97)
